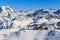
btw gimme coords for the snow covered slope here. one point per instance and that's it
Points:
(43, 24)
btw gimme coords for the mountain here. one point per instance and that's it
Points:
(43, 24)
(11, 19)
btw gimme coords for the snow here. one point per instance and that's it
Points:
(15, 25)
(23, 35)
(40, 21)
(29, 35)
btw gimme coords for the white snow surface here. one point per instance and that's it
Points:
(19, 25)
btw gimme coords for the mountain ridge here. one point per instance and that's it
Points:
(25, 18)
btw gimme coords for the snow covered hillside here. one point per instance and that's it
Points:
(43, 24)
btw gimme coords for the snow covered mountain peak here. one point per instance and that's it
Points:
(5, 8)
(7, 12)
(28, 18)
(35, 25)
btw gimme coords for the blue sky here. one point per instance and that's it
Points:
(18, 5)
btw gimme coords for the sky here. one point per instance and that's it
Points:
(19, 5)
